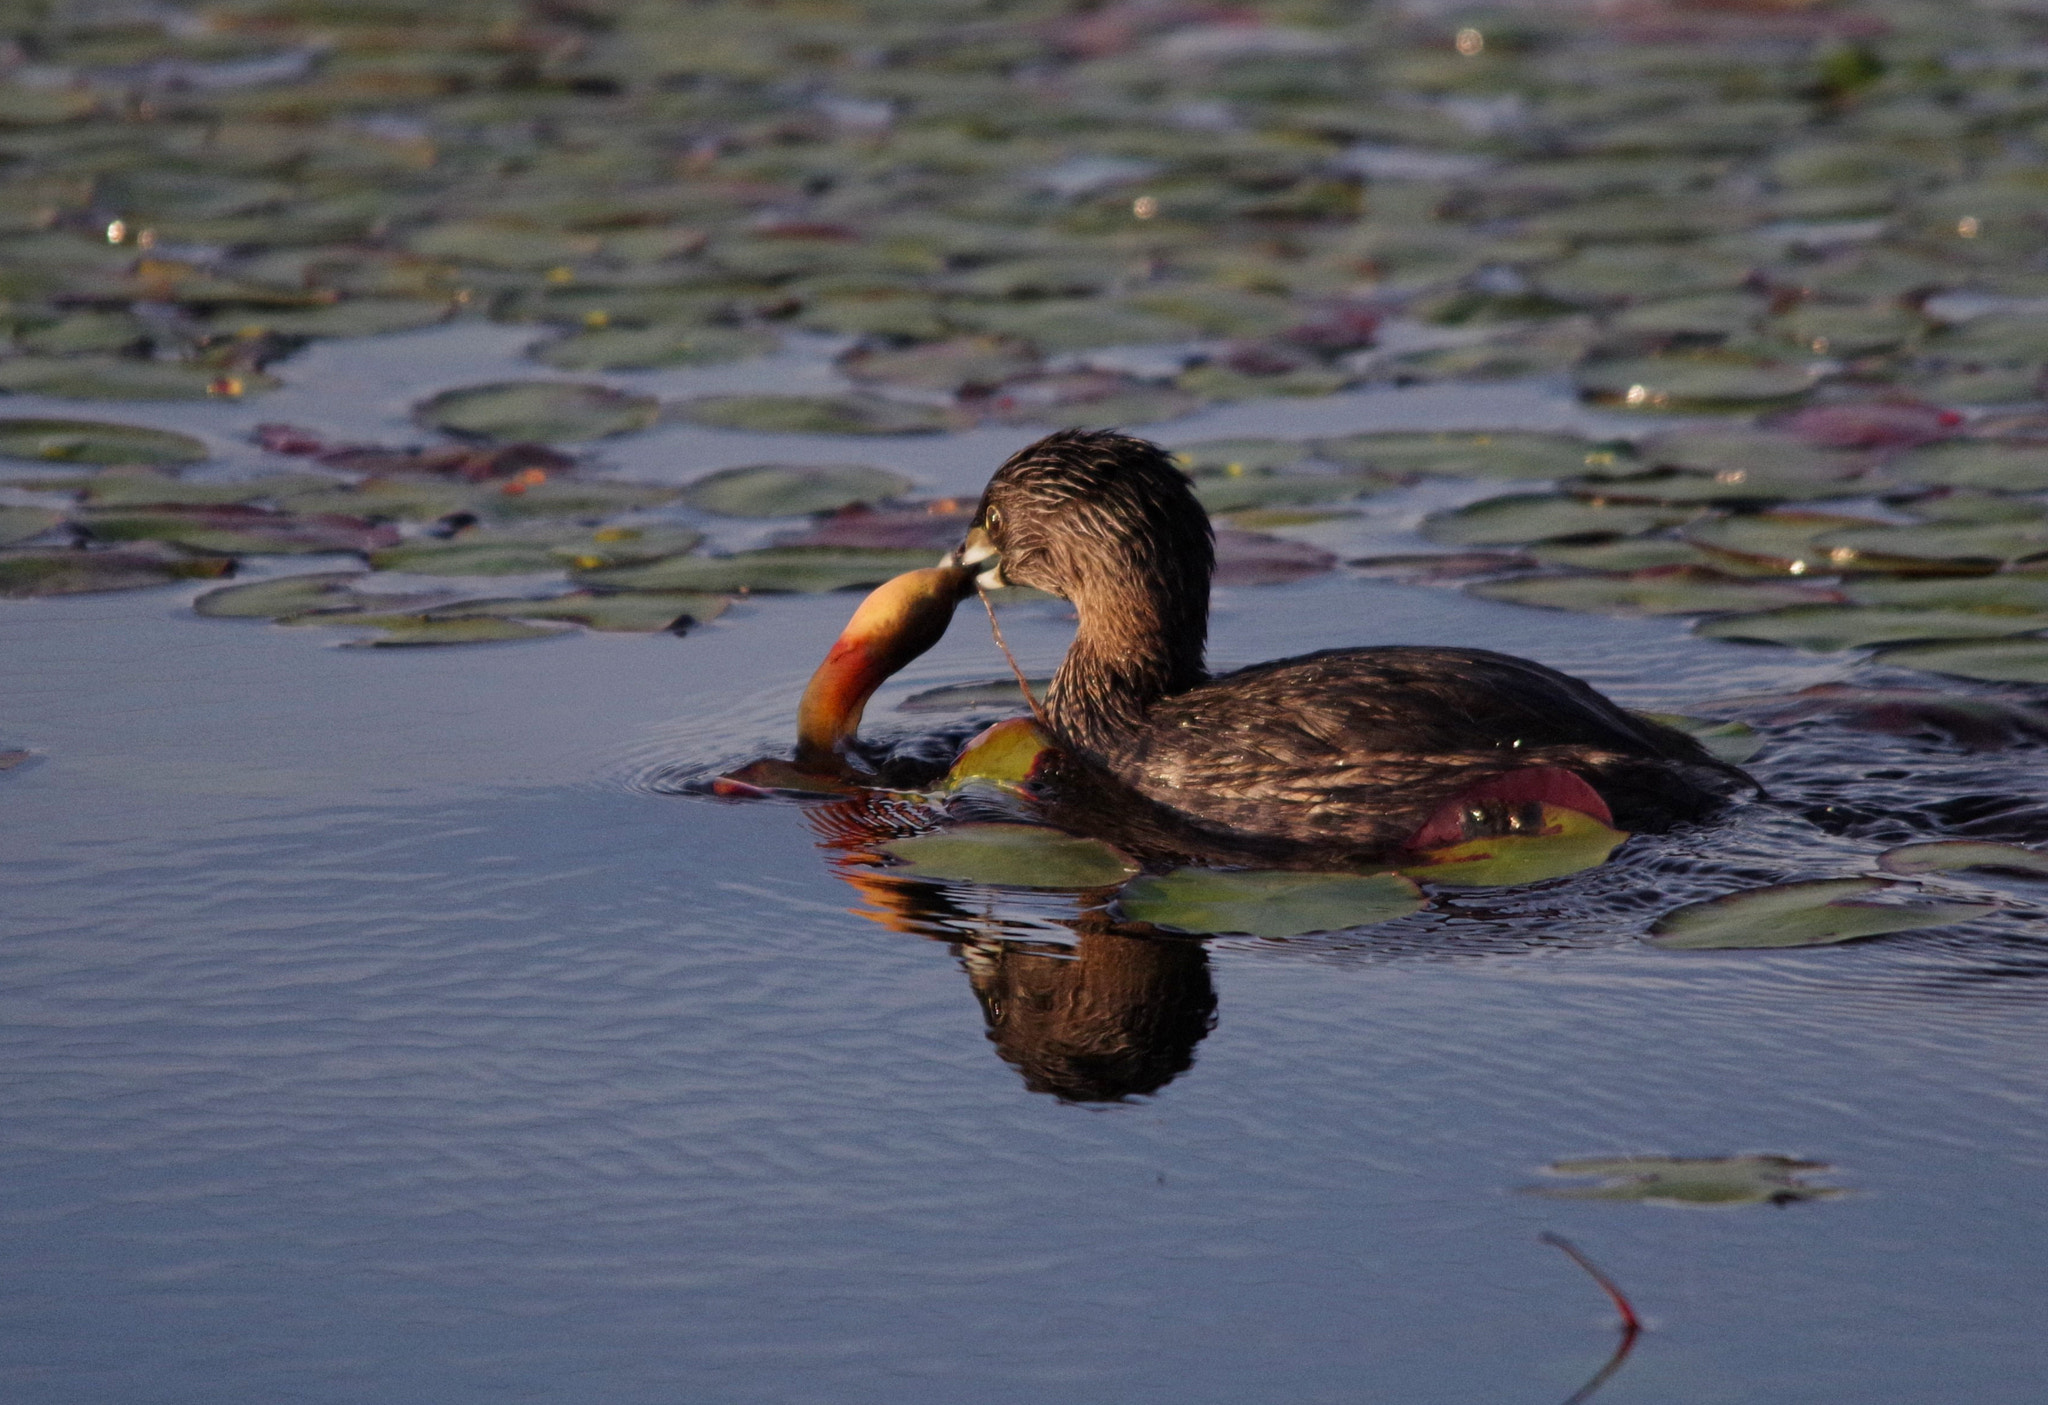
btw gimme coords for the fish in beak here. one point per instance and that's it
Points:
(897, 622)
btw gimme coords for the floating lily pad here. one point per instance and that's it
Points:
(1966, 505)
(646, 348)
(1073, 324)
(1267, 904)
(1994, 661)
(1983, 544)
(1227, 492)
(27, 573)
(234, 528)
(476, 554)
(1814, 913)
(2010, 468)
(1677, 590)
(421, 631)
(1957, 855)
(1237, 458)
(1562, 842)
(814, 414)
(1010, 856)
(1733, 742)
(621, 612)
(1691, 1180)
(1701, 382)
(1775, 542)
(2004, 591)
(1706, 314)
(1827, 329)
(116, 488)
(1829, 628)
(125, 378)
(578, 498)
(415, 497)
(1505, 454)
(1747, 452)
(786, 490)
(972, 697)
(81, 332)
(1529, 517)
(18, 524)
(942, 366)
(96, 442)
(1730, 486)
(794, 568)
(351, 317)
(1624, 554)
(287, 595)
(540, 411)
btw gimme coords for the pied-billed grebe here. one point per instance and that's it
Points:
(1351, 749)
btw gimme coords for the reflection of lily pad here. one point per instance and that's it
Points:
(1994, 661)
(784, 490)
(1690, 1180)
(1815, 913)
(1010, 856)
(274, 599)
(1828, 628)
(1529, 517)
(1260, 904)
(96, 441)
(541, 411)
(1673, 591)
(1953, 855)
(789, 568)
(814, 414)
(1563, 842)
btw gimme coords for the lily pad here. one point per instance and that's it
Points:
(1829, 628)
(18, 524)
(1267, 904)
(1625, 554)
(125, 378)
(541, 411)
(1010, 856)
(287, 595)
(1505, 454)
(1733, 742)
(1005, 754)
(1237, 458)
(421, 631)
(123, 487)
(1956, 855)
(1529, 517)
(944, 366)
(236, 528)
(2005, 591)
(1982, 544)
(814, 414)
(1993, 661)
(2010, 468)
(1780, 456)
(1814, 913)
(351, 317)
(786, 490)
(1691, 1180)
(579, 498)
(1694, 382)
(616, 612)
(1562, 842)
(96, 442)
(646, 348)
(1757, 485)
(794, 568)
(1226, 492)
(28, 573)
(1679, 590)
(1776, 542)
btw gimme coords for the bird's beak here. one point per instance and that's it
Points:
(978, 553)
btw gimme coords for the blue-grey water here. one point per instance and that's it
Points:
(376, 1031)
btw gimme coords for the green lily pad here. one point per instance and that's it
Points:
(786, 568)
(1993, 661)
(646, 348)
(1267, 904)
(1775, 542)
(1668, 485)
(2010, 468)
(1010, 856)
(1693, 382)
(1624, 554)
(350, 317)
(788, 490)
(538, 411)
(1966, 505)
(620, 612)
(148, 488)
(944, 366)
(125, 378)
(2005, 591)
(1830, 628)
(1234, 493)
(1750, 452)
(1073, 324)
(1505, 454)
(421, 631)
(1733, 742)
(287, 595)
(1669, 591)
(1690, 1180)
(1563, 843)
(96, 442)
(409, 497)
(814, 414)
(18, 524)
(579, 498)
(1955, 855)
(1235, 458)
(1528, 517)
(1828, 329)
(480, 554)
(81, 332)
(1706, 314)
(27, 573)
(1999, 337)
(233, 529)
(1983, 544)
(1813, 913)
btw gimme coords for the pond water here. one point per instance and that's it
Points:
(410, 1024)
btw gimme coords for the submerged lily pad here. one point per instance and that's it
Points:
(1955, 855)
(1993, 661)
(1267, 904)
(1829, 628)
(1814, 913)
(96, 442)
(1563, 842)
(646, 348)
(787, 490)
(1690, 1180)
(790, 568)
(287, 595)
(620, 612)
(1529, 517)
(1504, 454)
(1010, 856)
(1670, 591)
(28, 573)
(540, 411)
(814, 414)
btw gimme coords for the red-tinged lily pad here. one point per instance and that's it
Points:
(1267, 904)
(1871, 426)
(936, 526)
(1957, 855)
(1671, 590)
(1010, 856)
(792, 490)
(233, 529)
(1252, 558)
(1004, 754)
(1552, 843)
(25, 574)
(96, 442)
(1819, 912)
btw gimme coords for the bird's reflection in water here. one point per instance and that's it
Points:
(1107, 1012)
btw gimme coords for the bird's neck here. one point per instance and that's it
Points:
(1132, 648)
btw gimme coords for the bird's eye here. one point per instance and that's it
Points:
(992, 520)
